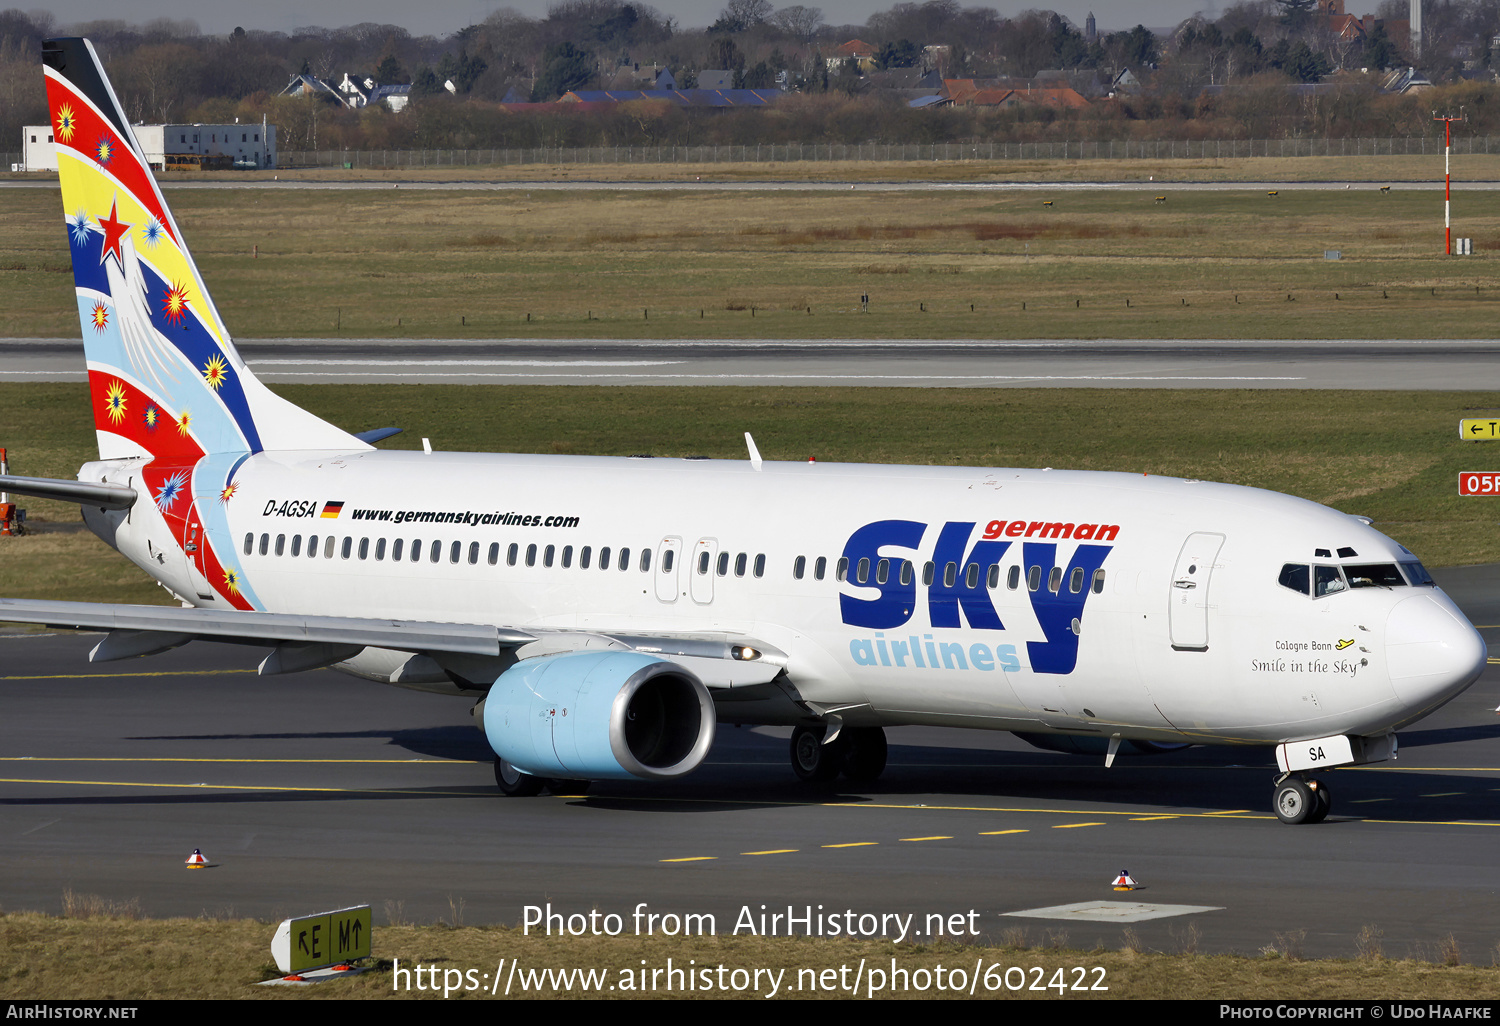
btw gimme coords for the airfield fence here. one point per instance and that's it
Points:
(1117, 149)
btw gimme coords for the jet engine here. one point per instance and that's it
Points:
(1074, 744)
(600, 716)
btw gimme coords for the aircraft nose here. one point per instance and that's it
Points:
(1433, 653)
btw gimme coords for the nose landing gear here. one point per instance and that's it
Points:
(1301, 801)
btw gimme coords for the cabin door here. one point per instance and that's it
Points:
(1188, 599)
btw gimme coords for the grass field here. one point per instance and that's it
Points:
(121, 957)
(1393, 456)
(477, 264)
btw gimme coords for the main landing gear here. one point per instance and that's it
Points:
(1301, 801)
(515, 784)
(859, 753)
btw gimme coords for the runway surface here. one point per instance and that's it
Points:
(1439, 365)
(317, 791)
(393, 180)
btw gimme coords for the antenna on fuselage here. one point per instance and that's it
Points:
(754, 452)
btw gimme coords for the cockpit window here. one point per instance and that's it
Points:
(1418, 575)
(1296, 577)
(1374, 575)
(1327, 580)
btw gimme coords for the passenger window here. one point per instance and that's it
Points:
(882, 571)
(347, 548)
(799, 567)
(1295, 576)
(994, 578)
(760, 565)
(723, 567)
(645, 561)
(265, 543)
(1327, 580)
(494, 555)
(280, 544)
(1034, 578)
(1098, 582)
(861, 571)
(312, 546)
(379, 548)
(454, 551)
(511, 553)
(416, 549)
(739, 565)
(364, 548)
(604, 558)
(249, 543)
(473, 553)
(396, 550)
(625, 558)
(531, 555)
(927, 571)
(583, 557)
(907, 571)
(820, 568)
(950, 575)
(1054, 580)
(703, 560)
(1013, 580)
(971, 576)
(1075, 582)
(547, 555)
(296, 545)
(841, 569)
(567, 559)
(328, 547)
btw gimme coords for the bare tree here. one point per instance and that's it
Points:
(799, 22)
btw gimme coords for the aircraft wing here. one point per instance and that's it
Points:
(308, 641)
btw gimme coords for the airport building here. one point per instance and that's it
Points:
(174, 147)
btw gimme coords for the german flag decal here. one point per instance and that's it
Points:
(331, 510)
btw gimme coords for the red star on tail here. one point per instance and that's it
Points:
(114, 231)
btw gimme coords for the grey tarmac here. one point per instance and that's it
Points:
(316, 791)
(1109, 363)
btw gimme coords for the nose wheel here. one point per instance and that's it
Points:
(1302, 801)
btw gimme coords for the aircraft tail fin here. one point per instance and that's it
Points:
(164, 376)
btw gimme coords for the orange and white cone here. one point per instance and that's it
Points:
(1124, 882)
(197, 860)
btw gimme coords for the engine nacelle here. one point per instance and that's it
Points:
(600, 716)
(1075, 744)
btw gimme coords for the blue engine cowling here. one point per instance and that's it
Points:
(600, 716)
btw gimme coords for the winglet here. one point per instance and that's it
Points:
(754, 452)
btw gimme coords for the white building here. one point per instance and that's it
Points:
(174, 147)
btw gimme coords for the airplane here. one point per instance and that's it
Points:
(606, 613)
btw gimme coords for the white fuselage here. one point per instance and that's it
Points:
(1104, 603)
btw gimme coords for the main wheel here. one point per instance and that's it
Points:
(513, 783)
(865, 760)
(1324, 799)
(812, 760)
(1295, 801)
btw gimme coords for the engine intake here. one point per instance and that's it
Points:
(600, 716)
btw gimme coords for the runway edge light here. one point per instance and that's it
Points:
(1124, 882)
(197, 860)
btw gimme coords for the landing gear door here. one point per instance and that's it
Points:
(702, 570)
(668, 556)
(1189, 592)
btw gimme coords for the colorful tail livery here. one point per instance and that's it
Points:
(164, 377)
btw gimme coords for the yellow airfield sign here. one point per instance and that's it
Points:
(1479, 430)
(318, 941)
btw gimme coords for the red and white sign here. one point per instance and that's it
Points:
(1479, 482)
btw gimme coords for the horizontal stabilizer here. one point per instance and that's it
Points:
(376, 434)
(105, 496)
